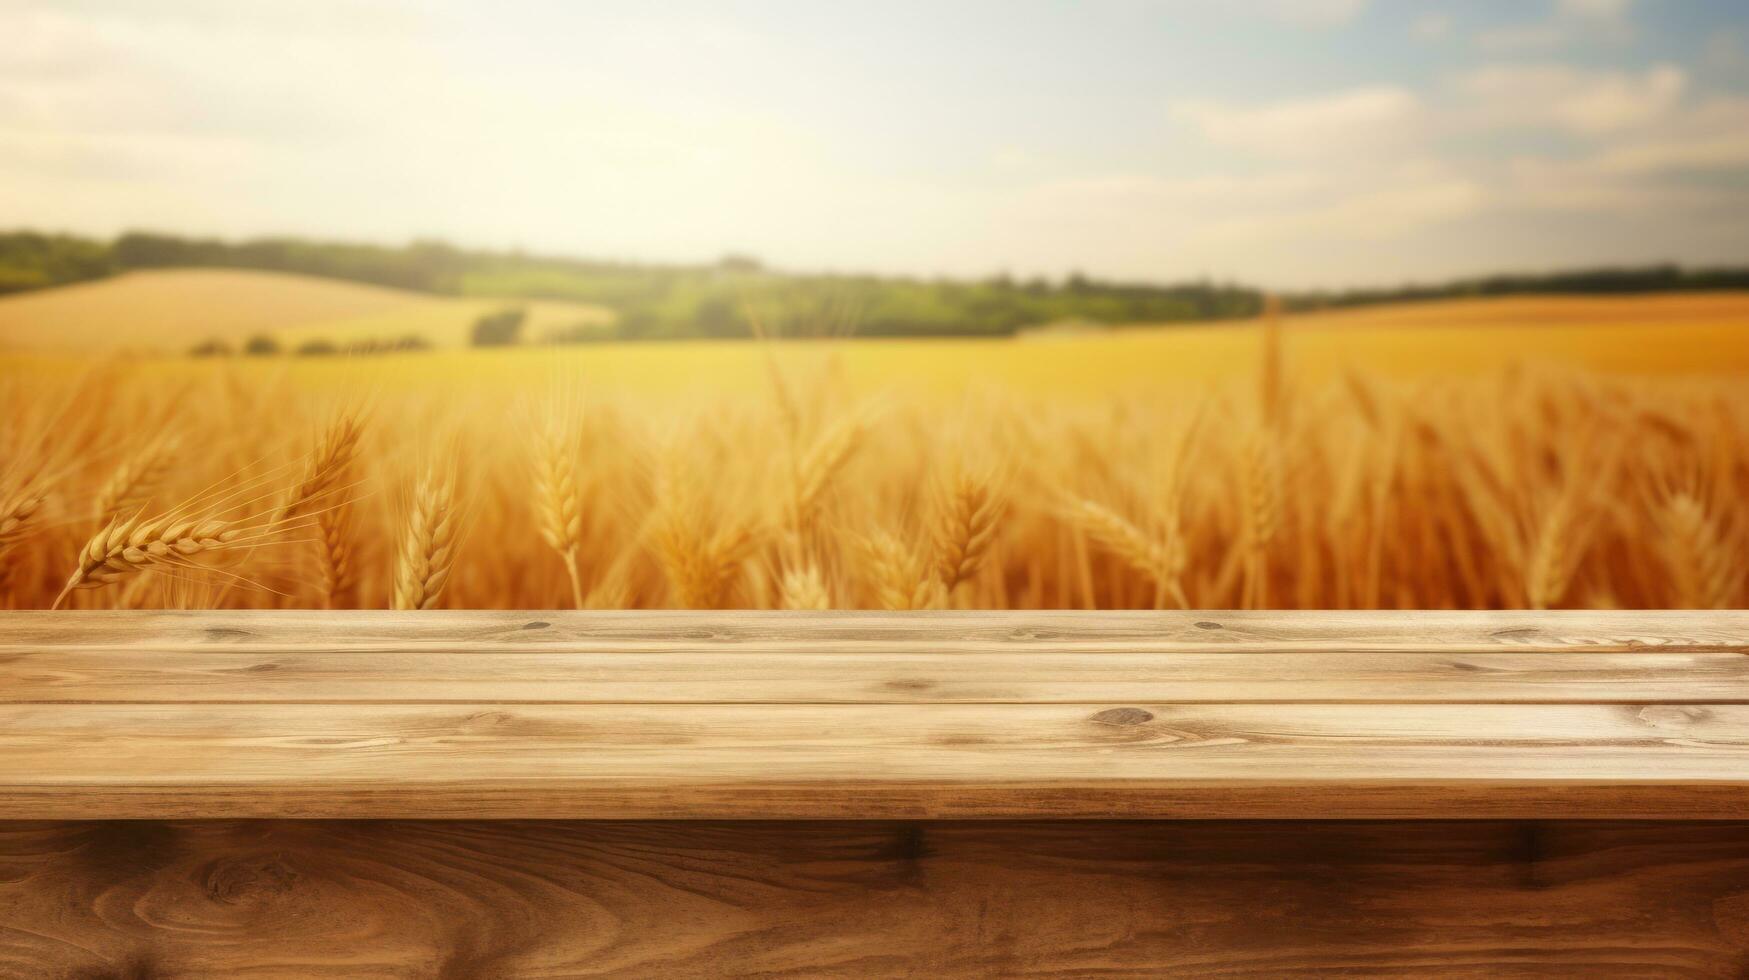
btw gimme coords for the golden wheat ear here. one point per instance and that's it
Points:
(814, 470)
(1703, 574)
(1161, 562)
(20, 513)
(131, 487)
(558, 499)
(427, 552)
(899, 579)
(19, 510)
(325, 472)
(127, 546)
(1260, 480)
(805, 588)
(319, 499)
(339, 576)
(700, 548)
(703, 567)
(966, 518)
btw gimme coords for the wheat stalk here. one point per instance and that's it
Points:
(1272, 380)
(701, 552)
(1160, 561)
(558, 501)
(899, 578)
(427, 552)
(19, 510)
(703, 566)
(324, 474)
(330, 469)
(327, 466)
(1703, 574)
(1484, 490)
(805, 588)
(813, 471)
(1552, 558)
(966, 519)
(1560, 538)
(127, 546)
(1260, 475)
(339, 578)
(612, 592)
(130, 488)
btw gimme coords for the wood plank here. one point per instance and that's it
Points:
(866, 658)
(801, 761)
(372, 901)
(827, 674)
(486, 631)
(704, 715)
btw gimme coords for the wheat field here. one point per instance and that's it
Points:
(230, 486)
(170, 310)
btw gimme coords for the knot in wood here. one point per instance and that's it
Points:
(1123, 716)
(235, 882)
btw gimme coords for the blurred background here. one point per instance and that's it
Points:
(1315, 302)
(914, 168)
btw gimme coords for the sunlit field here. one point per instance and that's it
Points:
(167, 312)
(1664, 334)
(1341, 460)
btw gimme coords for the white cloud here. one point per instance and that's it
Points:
(1666, 170)
(1356, 119)
(1712, 137)
(1720, 152)
(1571, 21)
(1293, 227)
(1618, 143)
(1571, 99)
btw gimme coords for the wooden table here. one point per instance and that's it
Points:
(496, 794)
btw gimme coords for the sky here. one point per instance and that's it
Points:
(1286, 143)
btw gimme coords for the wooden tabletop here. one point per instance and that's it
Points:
(869, 715)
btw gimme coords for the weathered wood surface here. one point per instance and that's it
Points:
(860, 715)
(486, 630)
(872, 717)
(225, 900)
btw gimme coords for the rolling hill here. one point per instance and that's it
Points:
(174, 309)
(171, 311)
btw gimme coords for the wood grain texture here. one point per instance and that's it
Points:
(760, 715)
(654, 761)
(831, 674)
(482, 631)
(1493, 717)
(513, 899)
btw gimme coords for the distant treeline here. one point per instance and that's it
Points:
(737, 296)
(1637, 279)
(730, 298)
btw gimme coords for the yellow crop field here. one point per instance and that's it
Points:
(169, 311)
(1670, 334)
(1437, 458)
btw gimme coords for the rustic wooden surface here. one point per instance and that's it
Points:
(361, 900)
(860, 715)
(873, 717)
